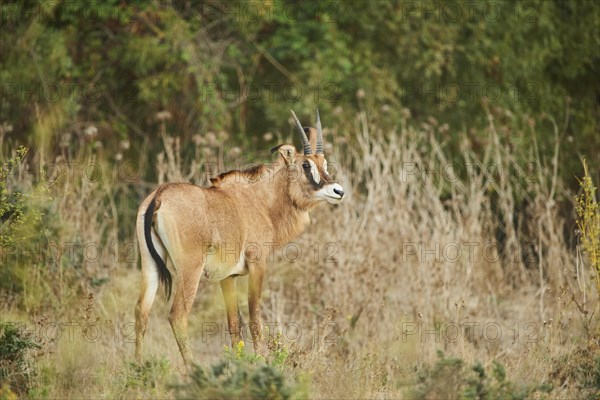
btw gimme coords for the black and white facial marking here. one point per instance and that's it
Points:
(325, 188)
(312, 173)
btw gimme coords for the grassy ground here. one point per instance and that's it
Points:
(440, 276)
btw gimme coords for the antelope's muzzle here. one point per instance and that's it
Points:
(333, 193)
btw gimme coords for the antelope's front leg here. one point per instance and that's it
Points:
(255, 281)
(231, 306)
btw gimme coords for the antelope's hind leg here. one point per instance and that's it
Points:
(148, 288)
(188, 278)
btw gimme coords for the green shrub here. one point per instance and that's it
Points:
(239, 376)
(450, 379)
(147, 374)
(483, 386)
(17, 368)
(580, 368)
(12, 203)
(445, 380)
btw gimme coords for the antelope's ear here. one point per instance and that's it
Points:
(286, 151)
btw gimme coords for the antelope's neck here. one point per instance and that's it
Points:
(287, 219)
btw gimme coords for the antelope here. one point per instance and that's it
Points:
(218, 233)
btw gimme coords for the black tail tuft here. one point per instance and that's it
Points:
(163, 273)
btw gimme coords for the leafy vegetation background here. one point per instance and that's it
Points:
(239, 67)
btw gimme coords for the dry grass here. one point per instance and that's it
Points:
(465, 254)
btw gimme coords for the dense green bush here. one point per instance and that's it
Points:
(240, 66)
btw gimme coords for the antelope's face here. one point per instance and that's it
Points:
(310, 182)
(314, 179)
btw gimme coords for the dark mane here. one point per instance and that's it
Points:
(248, 175)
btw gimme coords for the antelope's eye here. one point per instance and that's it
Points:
(306, 165)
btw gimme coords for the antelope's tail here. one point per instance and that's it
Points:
(163, 273)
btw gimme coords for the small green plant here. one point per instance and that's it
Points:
(443, 381)
(17, 369)
(148, 374)
(580, 368)
(450, 379)
(483, 386)
(238, 376)
(588, 221)
(239, 353)
(278, 350)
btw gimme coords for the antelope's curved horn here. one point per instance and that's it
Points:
(319, 149)
(302, 134)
